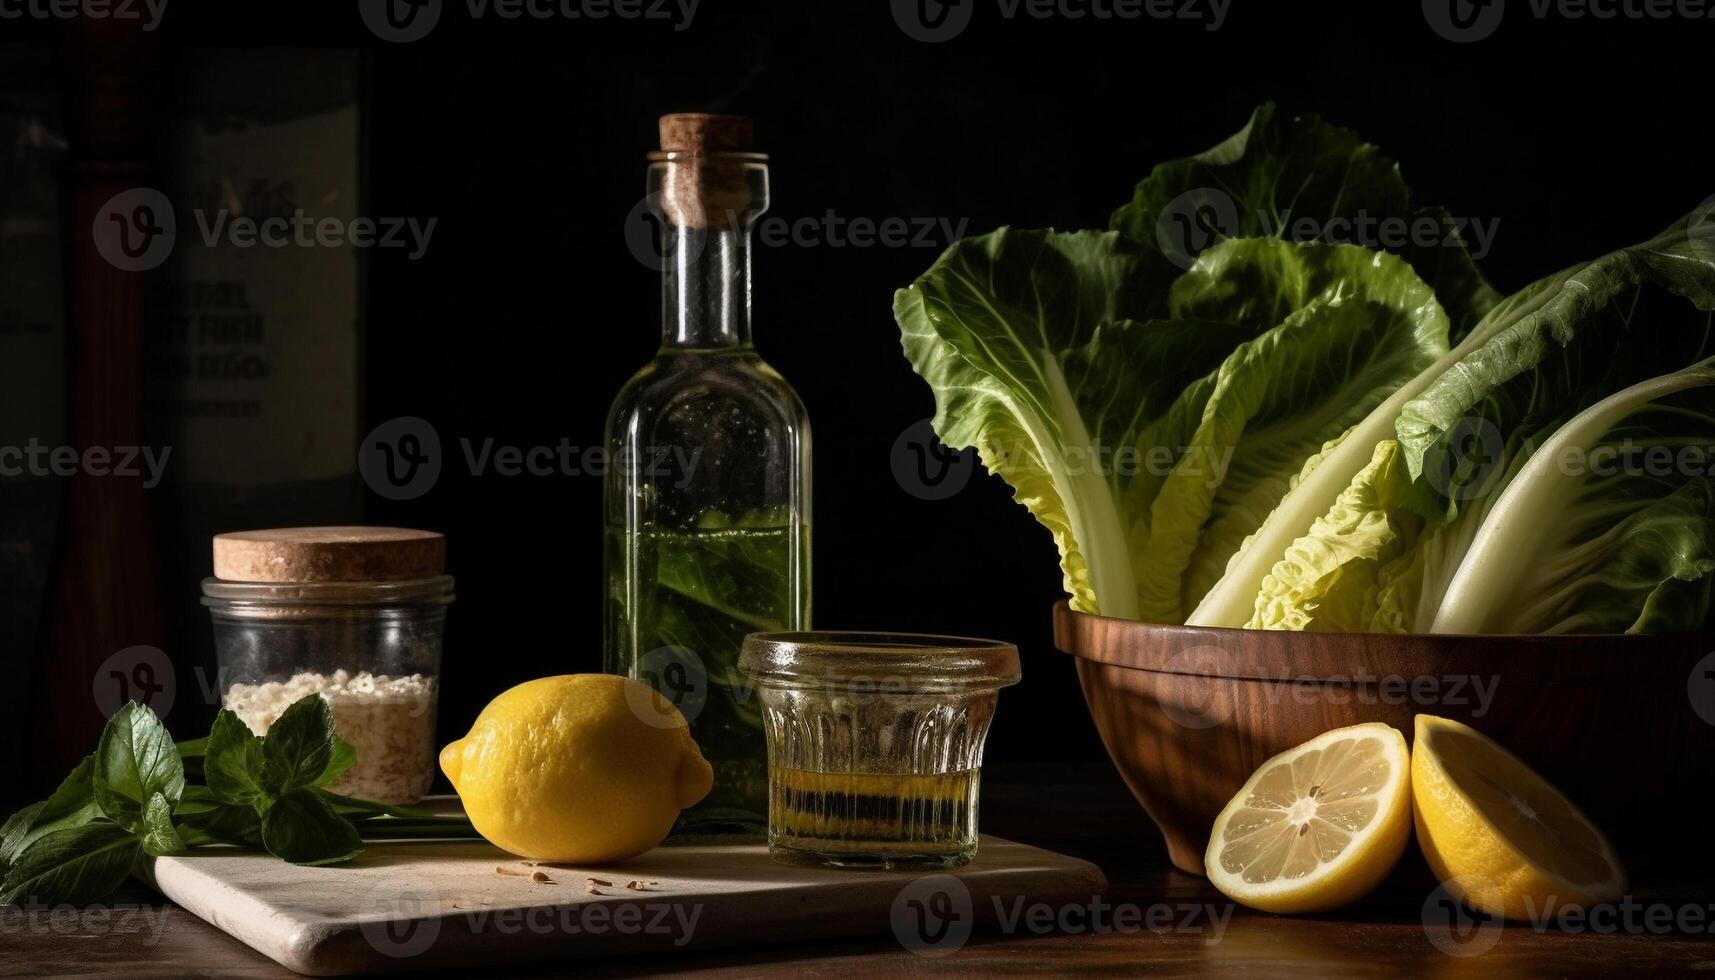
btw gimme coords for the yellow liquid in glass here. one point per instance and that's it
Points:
(874, 818)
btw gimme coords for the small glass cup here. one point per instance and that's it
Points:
(875, 743)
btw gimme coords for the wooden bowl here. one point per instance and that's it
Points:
(1189, 713)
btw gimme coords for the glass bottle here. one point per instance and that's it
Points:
(708, 487)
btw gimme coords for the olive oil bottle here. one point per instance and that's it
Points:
(708, 487)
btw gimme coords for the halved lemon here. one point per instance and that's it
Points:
(1497, 834)
(1316, 826)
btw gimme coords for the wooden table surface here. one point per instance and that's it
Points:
(1176, 925)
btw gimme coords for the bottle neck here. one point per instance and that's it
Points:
(705, 287)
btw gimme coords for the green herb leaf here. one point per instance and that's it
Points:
(71, 805)
(233, 765)
(13, 831)
(192, 752)
(75, 866)
(136, 759)
(75, 793)
(298, 747)
(223, 823)
(158, 835)
(196, 800)
(355, 809)
(302, 828)
(343, 758)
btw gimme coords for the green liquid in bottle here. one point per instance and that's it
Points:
(684, 600)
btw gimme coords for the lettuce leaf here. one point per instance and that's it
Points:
(1570, 546)
(1028, 341)
(1357, 325)
(1280, 176)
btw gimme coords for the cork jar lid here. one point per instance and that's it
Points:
(329, 554)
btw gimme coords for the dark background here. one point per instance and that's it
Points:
(526, 140)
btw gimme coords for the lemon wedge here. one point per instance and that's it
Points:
(1497, 835)
(1316, 826)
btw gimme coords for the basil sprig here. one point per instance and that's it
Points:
(131, 799)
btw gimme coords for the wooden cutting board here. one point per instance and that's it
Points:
(439, 905)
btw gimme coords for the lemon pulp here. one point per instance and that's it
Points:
(1316, 826)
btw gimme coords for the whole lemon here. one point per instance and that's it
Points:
(582, 768)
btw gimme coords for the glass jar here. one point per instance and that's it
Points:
(371, 648)
(875, 743)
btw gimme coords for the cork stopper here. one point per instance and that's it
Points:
(702, 132)
(707, 182)
(329, 554)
